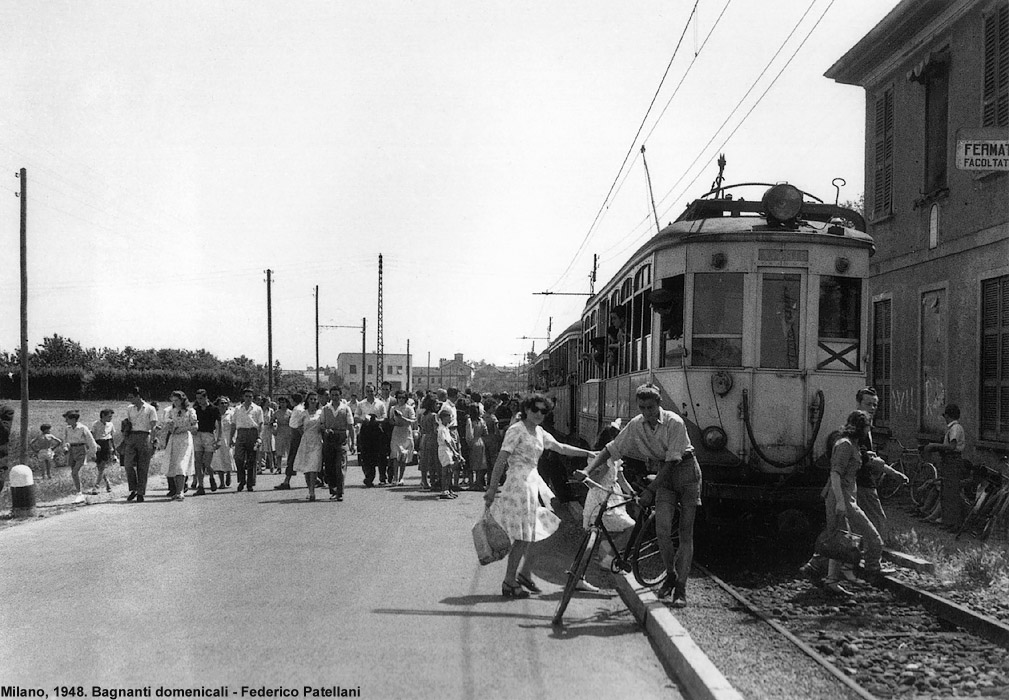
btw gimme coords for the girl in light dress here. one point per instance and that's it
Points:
(266, 459)
(180, 424)
(223, 461)
(476, 431)
(281, 433)
(308, 461)
(615, 488)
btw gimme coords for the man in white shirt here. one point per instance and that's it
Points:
(370, 415)
(659, 437)
(248, 420)
(138, 443)
(296, 422)
(337, 426)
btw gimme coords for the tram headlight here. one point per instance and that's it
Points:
(782, 202)
(714, 438)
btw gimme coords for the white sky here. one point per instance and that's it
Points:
(175, 151)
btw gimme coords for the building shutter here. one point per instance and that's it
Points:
(995, 101)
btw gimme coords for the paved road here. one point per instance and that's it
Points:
(381, 592)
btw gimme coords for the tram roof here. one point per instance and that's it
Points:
(742, 220)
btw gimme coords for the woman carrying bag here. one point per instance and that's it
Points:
(519, 507)
(841, 506)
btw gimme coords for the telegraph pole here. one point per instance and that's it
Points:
(24, 316)
(364, 352)
(316, 337)
(408, 364)
(269, 334)
(429, 370)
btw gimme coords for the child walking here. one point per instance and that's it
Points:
(78, 443)
(448, 456)
(104, 433)
(43, 445)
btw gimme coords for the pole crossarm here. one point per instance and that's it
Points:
(564, 294)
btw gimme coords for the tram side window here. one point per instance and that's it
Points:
(667, 301)
(780, 322)
(840, 324)
(717, 339)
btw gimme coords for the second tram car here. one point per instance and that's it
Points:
(751, 318)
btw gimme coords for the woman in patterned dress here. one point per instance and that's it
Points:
(519, 508)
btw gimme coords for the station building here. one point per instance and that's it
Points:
(357, 373)
(455, 372)
(936, 81)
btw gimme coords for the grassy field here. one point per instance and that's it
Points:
(51, 412)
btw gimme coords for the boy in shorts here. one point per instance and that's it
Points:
(104, 432)
(43, 444)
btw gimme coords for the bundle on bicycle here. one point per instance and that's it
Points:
(639, 555)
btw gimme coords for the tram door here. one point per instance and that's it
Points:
(778, 399)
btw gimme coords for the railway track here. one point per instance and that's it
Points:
(895, 641)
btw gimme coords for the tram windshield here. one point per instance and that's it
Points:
(718, 320)
(780, 322)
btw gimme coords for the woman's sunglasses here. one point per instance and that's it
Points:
(539, 409)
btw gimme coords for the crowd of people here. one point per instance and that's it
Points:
(461, 440)
(450, 435)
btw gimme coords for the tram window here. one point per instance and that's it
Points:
(717, 339)
(780, 327)
(840, 307)
(667, 302)
(840, 324)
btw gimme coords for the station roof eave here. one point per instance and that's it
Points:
(893, 33)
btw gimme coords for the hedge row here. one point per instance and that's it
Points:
(70, 383)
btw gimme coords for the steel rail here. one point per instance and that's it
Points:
(801, 645)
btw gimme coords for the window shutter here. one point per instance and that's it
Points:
(995, 99)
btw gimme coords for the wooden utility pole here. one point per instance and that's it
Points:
(429, 370)
(407, 364)
(269, 334)
(364, 352)
(316, 337)
(24, 316)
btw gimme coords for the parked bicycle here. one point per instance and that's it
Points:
(640, 556)
(990, 509)
(921, 476)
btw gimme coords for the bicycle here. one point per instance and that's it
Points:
(921, 476)
(991, 501)
(641, 555)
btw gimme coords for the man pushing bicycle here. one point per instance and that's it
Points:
(659, 437)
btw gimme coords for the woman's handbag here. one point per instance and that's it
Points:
(490, 539)
(841, 543)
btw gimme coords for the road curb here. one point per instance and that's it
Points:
(692, 667)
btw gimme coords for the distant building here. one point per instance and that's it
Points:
(455, 372)
(936, 78)
(491, 379)
(397, 371)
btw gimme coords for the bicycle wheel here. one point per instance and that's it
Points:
(578, 565)
(888, 486)
(647, 566)
(924, 475)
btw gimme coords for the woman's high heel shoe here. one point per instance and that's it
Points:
(528, 583)
(510, 591)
